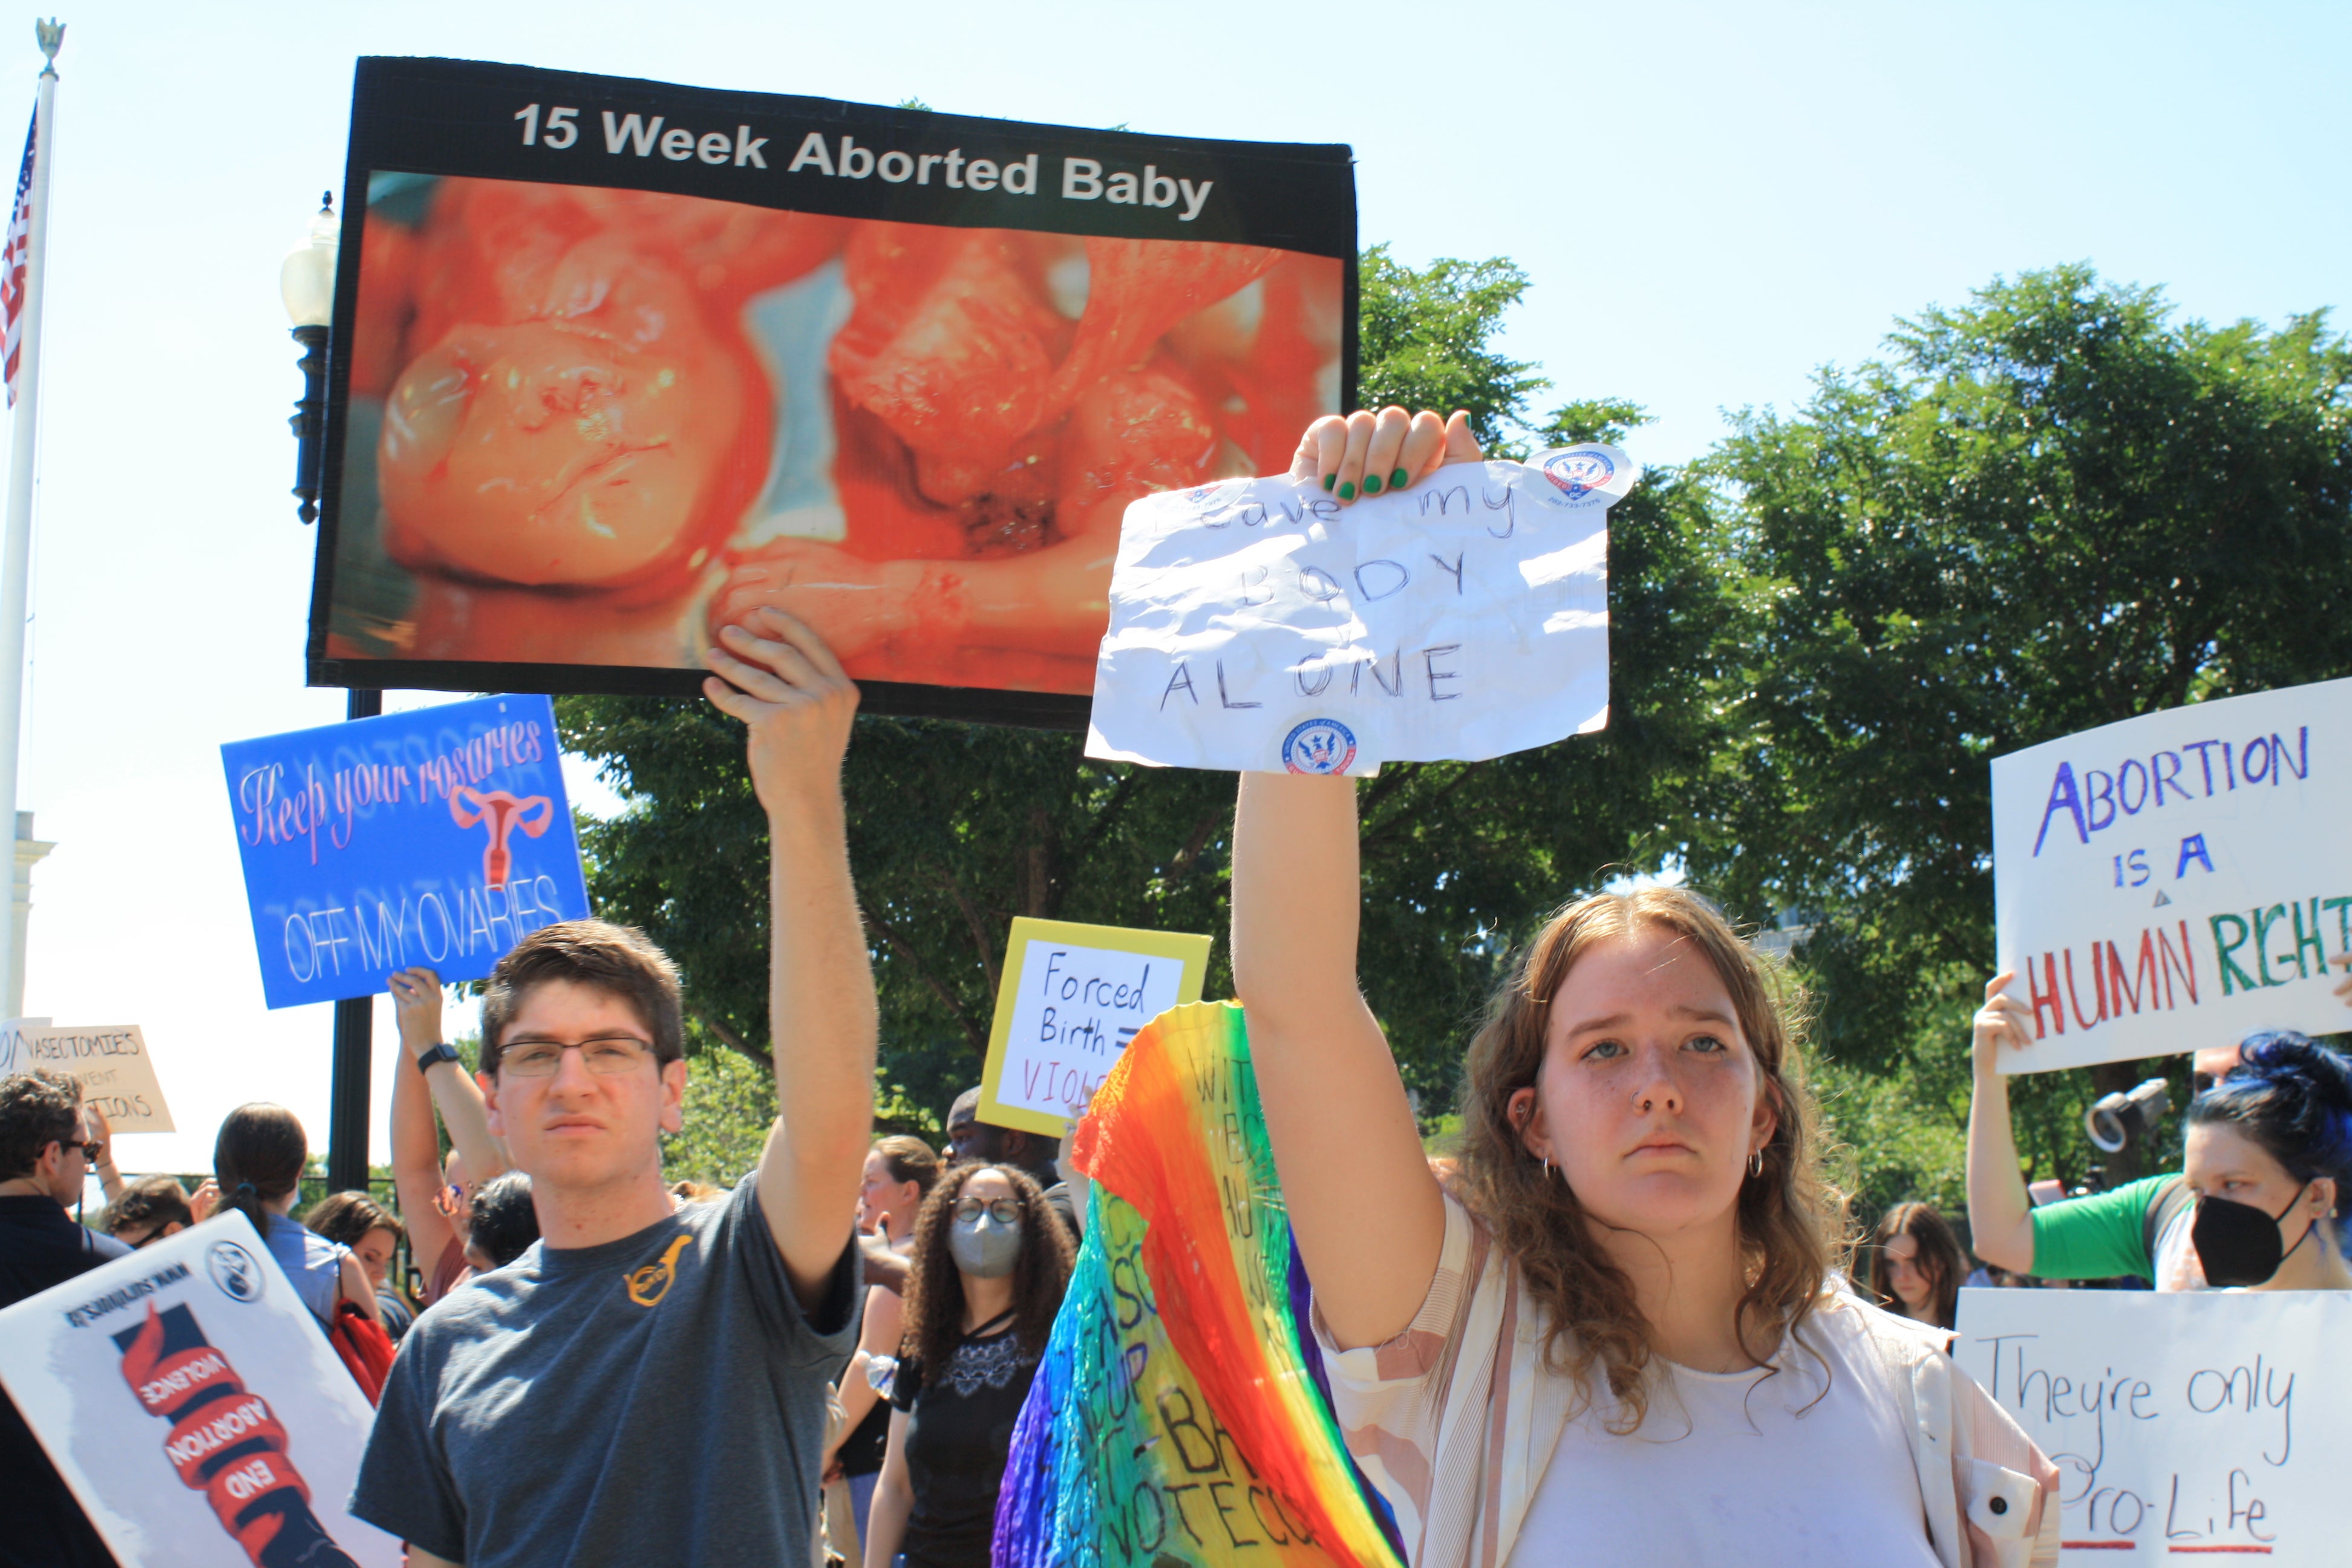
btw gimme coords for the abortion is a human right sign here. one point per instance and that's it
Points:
(2180, 879)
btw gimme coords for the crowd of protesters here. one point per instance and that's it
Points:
(1639, 1183)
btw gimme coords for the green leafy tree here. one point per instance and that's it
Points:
(2056, 508)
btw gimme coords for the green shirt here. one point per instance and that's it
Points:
(2099, 1237)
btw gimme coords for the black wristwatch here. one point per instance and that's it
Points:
(429, 1059)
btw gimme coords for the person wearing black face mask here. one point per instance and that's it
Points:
(2257, 1205)
(990, 1264)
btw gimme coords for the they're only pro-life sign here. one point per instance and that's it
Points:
(439, 837)
(1258, 626)
(1071, 998)
(191, 1402)
(2185, 1425)
(2178, 880)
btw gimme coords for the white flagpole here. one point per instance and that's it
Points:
(17, 543)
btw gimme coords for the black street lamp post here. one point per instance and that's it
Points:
(306, 282)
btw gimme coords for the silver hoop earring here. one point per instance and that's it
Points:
(1546, 1163)
(1756, 1163)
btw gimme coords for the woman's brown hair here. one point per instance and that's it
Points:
(1940, 1259)
(349, 1217)
(934, 1321)
(258, 1159)
(1788, 1218)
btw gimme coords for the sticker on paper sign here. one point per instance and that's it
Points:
(1259, 624)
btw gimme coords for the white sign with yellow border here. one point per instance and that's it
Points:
(1072, 997)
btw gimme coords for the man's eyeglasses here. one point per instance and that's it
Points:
(1003, 1211)
(93, 1151)
(606, 1054)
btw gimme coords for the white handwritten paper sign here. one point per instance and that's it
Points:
(1071, 997)
(189, 1399)
(1258, 626)
(2178, 880)
(2201, 1423)
(109, 1060)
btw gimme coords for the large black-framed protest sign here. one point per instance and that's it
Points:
(616, 364)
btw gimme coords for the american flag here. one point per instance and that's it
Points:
(12, 262)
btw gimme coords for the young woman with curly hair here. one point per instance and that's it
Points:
(1616, 1336)
(990, 1263)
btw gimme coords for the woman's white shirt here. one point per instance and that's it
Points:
(1734, 1468)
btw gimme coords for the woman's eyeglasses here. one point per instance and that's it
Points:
(1003, 1211)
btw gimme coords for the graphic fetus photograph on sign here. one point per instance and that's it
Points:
(898, 374)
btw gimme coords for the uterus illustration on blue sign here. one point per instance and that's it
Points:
(438, 838)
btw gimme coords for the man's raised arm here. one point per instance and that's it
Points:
(781, 679)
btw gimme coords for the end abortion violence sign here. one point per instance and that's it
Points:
(2192, 1424)
(438, 838)
(2178, 880)
(1258, 626)
(189, 1399)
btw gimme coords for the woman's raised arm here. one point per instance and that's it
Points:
(1362, 1202)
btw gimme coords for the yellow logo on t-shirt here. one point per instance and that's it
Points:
(648, 1285)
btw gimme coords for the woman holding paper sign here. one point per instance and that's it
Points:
(1623, 1301)
(2258, 1204)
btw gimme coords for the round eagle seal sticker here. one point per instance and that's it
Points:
(1579, 471)
(1320, 746)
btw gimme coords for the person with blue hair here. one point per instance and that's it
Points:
(2258, 1203)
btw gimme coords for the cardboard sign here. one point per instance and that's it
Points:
(1257, 625)
(192, 1403)
(439, 837)
(1071, 998)
(2192, 1424)
(893, 371)
(2178, 880)
(110, 1061)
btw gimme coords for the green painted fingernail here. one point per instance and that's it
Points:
(1347, 493)
(1396, 480)
(1371, 484)
(1330, 479)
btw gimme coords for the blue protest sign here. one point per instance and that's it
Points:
(437, 838)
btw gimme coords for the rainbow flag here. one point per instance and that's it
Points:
(1177, 1417)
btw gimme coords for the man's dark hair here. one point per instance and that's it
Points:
(1032, 1151)
(620, 960)
(504, 1222)
(150, 1203)
(37, 1110)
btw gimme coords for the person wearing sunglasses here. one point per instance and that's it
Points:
(678, 1358)
(148, 1210)
(47, 1148)
(990, 1264)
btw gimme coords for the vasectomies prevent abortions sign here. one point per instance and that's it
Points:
(2178, 880)
(618, 363)
(439, 837)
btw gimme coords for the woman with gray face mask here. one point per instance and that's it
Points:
(990, 1263)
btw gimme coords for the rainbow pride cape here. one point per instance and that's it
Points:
(1176, 1417)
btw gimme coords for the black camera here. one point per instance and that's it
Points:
(2118, 1120)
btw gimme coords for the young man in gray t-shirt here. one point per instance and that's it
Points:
(648, 1386)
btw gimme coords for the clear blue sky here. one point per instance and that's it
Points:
(1712, 200)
